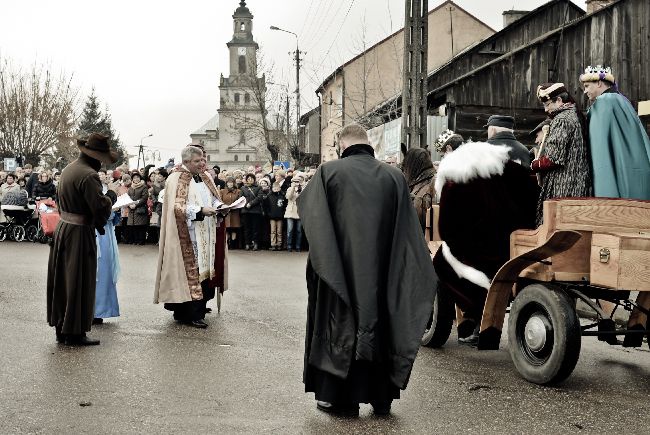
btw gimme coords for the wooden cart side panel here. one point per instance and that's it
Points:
(602, 215)
(499, 293)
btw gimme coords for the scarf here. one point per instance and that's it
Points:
(136, 185)
(358, 149)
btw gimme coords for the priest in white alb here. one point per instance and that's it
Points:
(191, 255)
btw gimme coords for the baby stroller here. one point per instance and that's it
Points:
(18, 222)
(48, 219)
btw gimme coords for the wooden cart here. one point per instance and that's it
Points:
(592, 250)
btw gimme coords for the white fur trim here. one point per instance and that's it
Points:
(472, 275)
(469, 161)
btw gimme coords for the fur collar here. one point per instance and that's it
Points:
(469, 161)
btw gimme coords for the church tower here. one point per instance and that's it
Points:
(240, 144)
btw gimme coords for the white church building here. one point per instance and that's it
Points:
(230, 137)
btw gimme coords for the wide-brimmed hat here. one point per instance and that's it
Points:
(97, 147)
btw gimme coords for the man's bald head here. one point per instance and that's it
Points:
(353, 134)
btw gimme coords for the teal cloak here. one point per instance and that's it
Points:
(620, 149)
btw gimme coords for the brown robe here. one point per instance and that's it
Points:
(72, 267)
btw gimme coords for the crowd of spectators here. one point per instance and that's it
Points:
(25, 183)
(269, 221)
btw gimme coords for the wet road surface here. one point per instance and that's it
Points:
(243, 374)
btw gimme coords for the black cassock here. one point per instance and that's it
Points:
(370, 280)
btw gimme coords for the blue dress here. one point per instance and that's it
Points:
(108, 270)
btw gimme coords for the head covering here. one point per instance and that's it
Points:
(597, 73)
(444, 138)
(264, 181)
(549, 91)
(116, 174)
(501, 121)
(541, 125)
(97, 147)
(416, 161)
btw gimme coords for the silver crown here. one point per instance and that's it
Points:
(442, 139)
(598, 69)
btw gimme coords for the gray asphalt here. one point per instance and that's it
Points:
(243, 374)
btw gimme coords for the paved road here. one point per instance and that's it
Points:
(243, 374)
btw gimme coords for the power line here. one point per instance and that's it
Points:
(337, 34)
(325, 28)
(304, 23)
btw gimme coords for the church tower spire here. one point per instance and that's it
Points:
(243, 48)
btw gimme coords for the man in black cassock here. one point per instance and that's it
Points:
(370, 280)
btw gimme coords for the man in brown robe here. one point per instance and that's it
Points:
(72, 267)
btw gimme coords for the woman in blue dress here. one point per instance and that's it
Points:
(108, 268)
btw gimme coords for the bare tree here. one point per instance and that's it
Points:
(37, 111)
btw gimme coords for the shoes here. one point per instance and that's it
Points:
(247, 247)
(97, 321)
(200, 324)
(289, 249)
(381, 408)
(297, 250)
(351, 410)
(255, 247)
(471, 340)
(80, 340)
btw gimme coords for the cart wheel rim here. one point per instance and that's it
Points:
(431, 325)
(535, 335)
(536, 332)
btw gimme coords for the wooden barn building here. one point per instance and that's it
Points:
(553, 43)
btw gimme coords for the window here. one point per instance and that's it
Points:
(208, 157)
(247, 98)
(236, 158)
(248, 158)
(236, 98)
(242, 64)
(242, 26)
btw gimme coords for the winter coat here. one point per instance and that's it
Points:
(233, 219)
(139, 215)
(156, 188)
(31, 184)
(5, 188)
(293, 193)
(253, 198)
(518, 152)
(44, 190)
(423, 194)
(274, 205)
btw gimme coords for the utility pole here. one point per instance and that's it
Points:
(297, 59)
(414, 91)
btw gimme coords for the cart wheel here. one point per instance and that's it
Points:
(544, 334)
(18, 233)
(441, 320)
(3, 233)
(32, 233)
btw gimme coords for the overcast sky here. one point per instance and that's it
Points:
(156, 64)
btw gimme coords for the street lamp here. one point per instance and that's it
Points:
(141, 151)
(297, 59)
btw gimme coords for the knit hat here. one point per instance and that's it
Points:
(597, 73)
